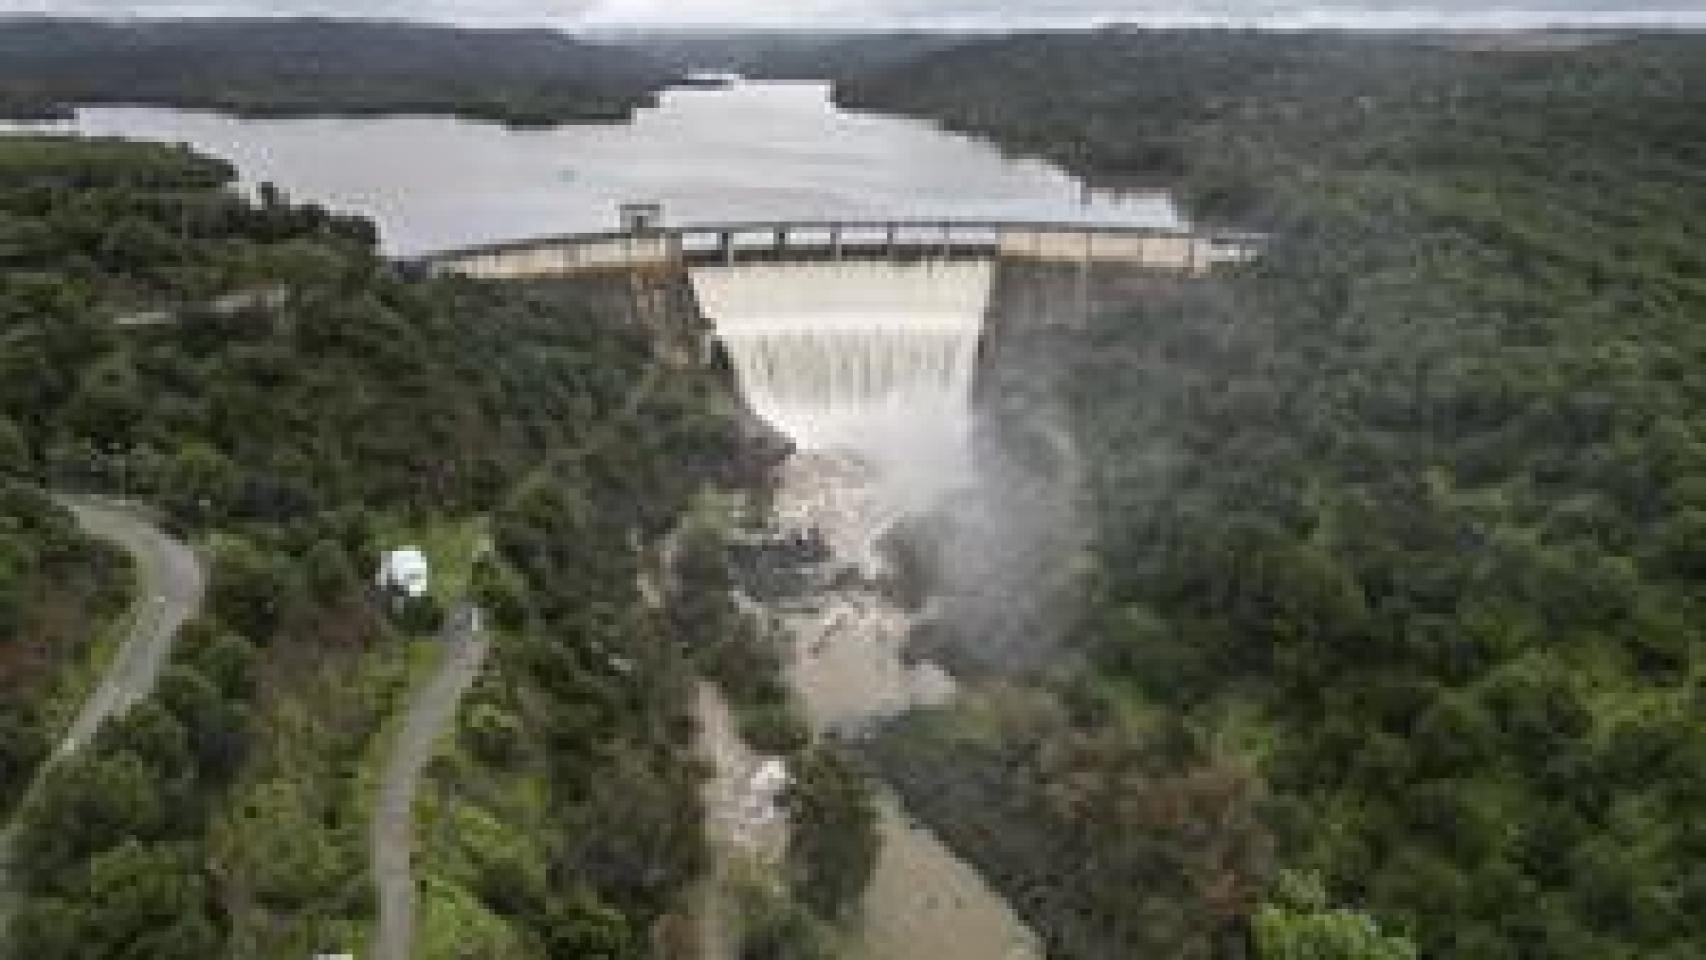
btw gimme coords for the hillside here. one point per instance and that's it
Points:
(298, 67)
(785, 54)
(292, 441)
(1393, 598)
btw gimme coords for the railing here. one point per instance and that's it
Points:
(730, 243)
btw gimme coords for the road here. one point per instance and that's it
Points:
(433, 709)
(171, 585)
(393, 830)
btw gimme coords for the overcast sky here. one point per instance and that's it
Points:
(978, 13)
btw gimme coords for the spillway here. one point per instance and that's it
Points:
(853, 355)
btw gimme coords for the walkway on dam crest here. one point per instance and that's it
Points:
(1179, 251)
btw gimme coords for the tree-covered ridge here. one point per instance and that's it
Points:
(294, 438)
(777, 54)
(297, 67)
(1096, 101)
(1165, 106)
(1405, 519)
(359, 387)
(100, 228)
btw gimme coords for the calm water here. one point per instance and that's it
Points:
(753, 151)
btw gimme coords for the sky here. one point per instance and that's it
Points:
(1468, 14)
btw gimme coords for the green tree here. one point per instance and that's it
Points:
(14, 450)
(1298, 925)
(832, 849)
(252, 588)
(331, 575)
(201, 482)
(581, 927)
(87, 806)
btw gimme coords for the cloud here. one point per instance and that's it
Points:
(960, 13)
(469, 12)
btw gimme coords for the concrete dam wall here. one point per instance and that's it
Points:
(815, 345)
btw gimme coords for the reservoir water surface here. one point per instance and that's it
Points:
(749, 151)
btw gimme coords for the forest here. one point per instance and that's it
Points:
(299, 67)
(292, 440)
(780, 54)
(1387, 637)
(1381, 640)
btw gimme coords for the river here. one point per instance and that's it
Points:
(750, 151)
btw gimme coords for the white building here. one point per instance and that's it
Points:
(405, 571)
(764, 792)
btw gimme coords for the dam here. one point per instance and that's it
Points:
(860, 343)
(1063, 264)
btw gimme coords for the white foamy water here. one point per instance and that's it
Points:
(861, 356)
(849, 663)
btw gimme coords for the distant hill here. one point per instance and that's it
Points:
(298, 67)
(786, 54)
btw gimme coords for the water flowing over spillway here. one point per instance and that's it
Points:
(868, 368)
(841, 355)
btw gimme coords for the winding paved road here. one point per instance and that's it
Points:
(431, 712)
(171, 584)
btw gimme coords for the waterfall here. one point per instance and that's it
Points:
(855, 356)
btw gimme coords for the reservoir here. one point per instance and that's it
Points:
(750, 151)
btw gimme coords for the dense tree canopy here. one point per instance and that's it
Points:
(331, 407)
(1403, 518)
(1388, 635)
(292, 67)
